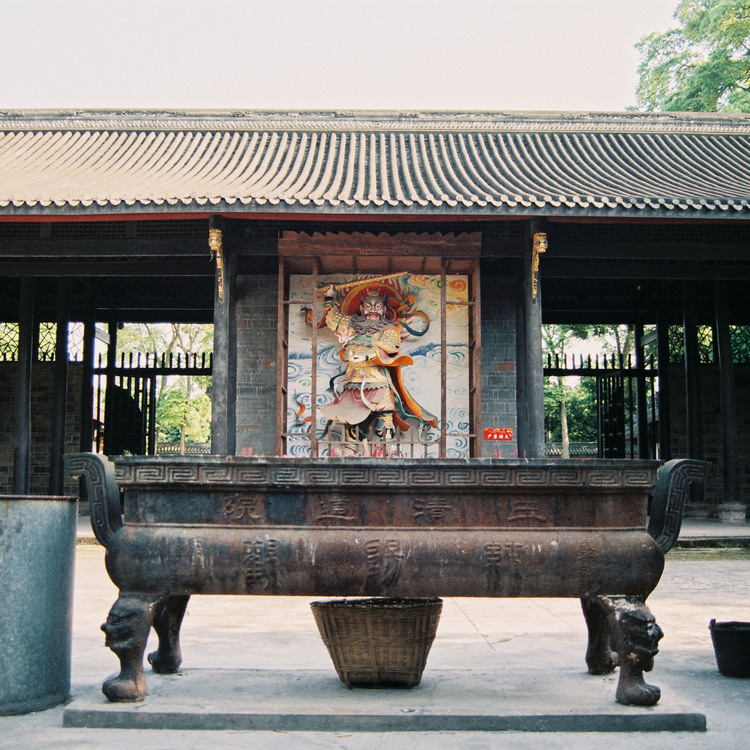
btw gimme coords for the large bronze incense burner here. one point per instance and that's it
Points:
(373, 527)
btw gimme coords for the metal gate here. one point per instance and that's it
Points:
(125, 399)
(618, 382)
(610, 409)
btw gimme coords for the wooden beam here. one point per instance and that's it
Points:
(162, 314)
(366, 243)
(626, 269)
(92, 268)
(103, 247)
(603, 250)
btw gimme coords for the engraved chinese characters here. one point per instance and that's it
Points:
(243, 509)
(260, 565)
(337, 527)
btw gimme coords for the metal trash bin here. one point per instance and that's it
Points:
(37, 553)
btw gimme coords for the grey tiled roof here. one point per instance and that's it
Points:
(631, 164)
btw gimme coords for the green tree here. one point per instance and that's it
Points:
(183, 404)
(580, 410)
(557, 394)
(180, 416)
(570, 405)
(703, 65)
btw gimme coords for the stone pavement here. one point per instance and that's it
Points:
(516, 655)
(693, 533)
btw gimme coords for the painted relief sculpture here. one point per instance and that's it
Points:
(370, 398)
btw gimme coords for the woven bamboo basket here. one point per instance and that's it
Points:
(380, 642)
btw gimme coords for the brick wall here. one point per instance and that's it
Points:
(256, 364)
(41, 412)
(498, 361)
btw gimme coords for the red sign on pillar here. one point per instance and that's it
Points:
(498, 433)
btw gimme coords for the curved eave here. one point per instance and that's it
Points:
(478, 165)
(608, 209)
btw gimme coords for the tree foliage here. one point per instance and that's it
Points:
(703, 65)
(570, 405)
(570, 410)
(580, 410)
(183, 403)
(177, 410)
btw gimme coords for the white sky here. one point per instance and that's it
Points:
(324, 54)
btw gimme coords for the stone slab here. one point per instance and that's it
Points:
(446, 700)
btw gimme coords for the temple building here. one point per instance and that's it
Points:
(377, 281)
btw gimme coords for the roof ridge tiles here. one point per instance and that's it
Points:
(374, 120)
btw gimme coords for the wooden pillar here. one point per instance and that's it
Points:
(662, 356)
(522, 391)
(87, 383)
(730, 449)
(109, 415)
(22, 401)
(533, 327)
(640, 394)
(692, 386)
(60, 396)
(224, 380)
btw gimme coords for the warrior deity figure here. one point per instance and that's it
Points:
(371, 390)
